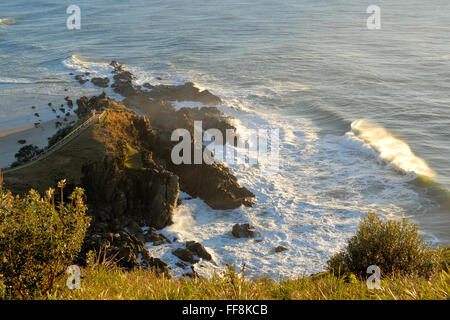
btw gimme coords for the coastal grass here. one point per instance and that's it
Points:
(101, 282)
(133, 158)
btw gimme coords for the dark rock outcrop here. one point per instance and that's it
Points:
(69, 102)
(155, 238)
(281, 249)
(185, 255)
(245, 230)
(124, 249)
(100, 82)
(184, 92)
(117, 193)
(80, 79)
(97, 103)
(198, 249)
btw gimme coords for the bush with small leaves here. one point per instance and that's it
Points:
(26, 153)
(38, 240)
(394, 246)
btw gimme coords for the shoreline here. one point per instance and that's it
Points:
(32, 135)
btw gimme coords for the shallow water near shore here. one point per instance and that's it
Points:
(363, 115)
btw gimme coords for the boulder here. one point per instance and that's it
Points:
(185, 255)
(198, 249)
(280, 249)
(245, 230)
(155, 238)
(80, 79)
(100, 82)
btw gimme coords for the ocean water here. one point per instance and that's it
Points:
(363, 114)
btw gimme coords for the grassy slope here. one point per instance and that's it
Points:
(93, 144)
(110, 283)
(64, 163)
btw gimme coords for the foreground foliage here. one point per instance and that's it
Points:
(394, 246)
(38, 240)
(111, 283)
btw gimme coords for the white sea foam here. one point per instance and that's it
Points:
(15, 80)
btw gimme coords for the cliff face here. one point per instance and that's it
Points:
(118, 194)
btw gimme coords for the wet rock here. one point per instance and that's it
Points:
(36, 114)
(198, 249)
(100, 82)
(80, 79)
(245, 230)
(184, 92)
(155, 238)
(182, 265)
(185, 255)
(193, 274)
(136, 230)
(22, 141)
(123, 83)
(281, 249)
(69, 102)
(97, 103)
(33, 107)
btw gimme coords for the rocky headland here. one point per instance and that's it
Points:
(124, 164)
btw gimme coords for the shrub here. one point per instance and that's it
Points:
(25, 154)
(394, 246)
(38, 241)
(59, 135)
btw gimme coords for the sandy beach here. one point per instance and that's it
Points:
(38, 136)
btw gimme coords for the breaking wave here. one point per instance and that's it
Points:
(391, 149)
(7, 21)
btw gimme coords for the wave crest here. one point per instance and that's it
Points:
(390, 148)
(7, 21)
